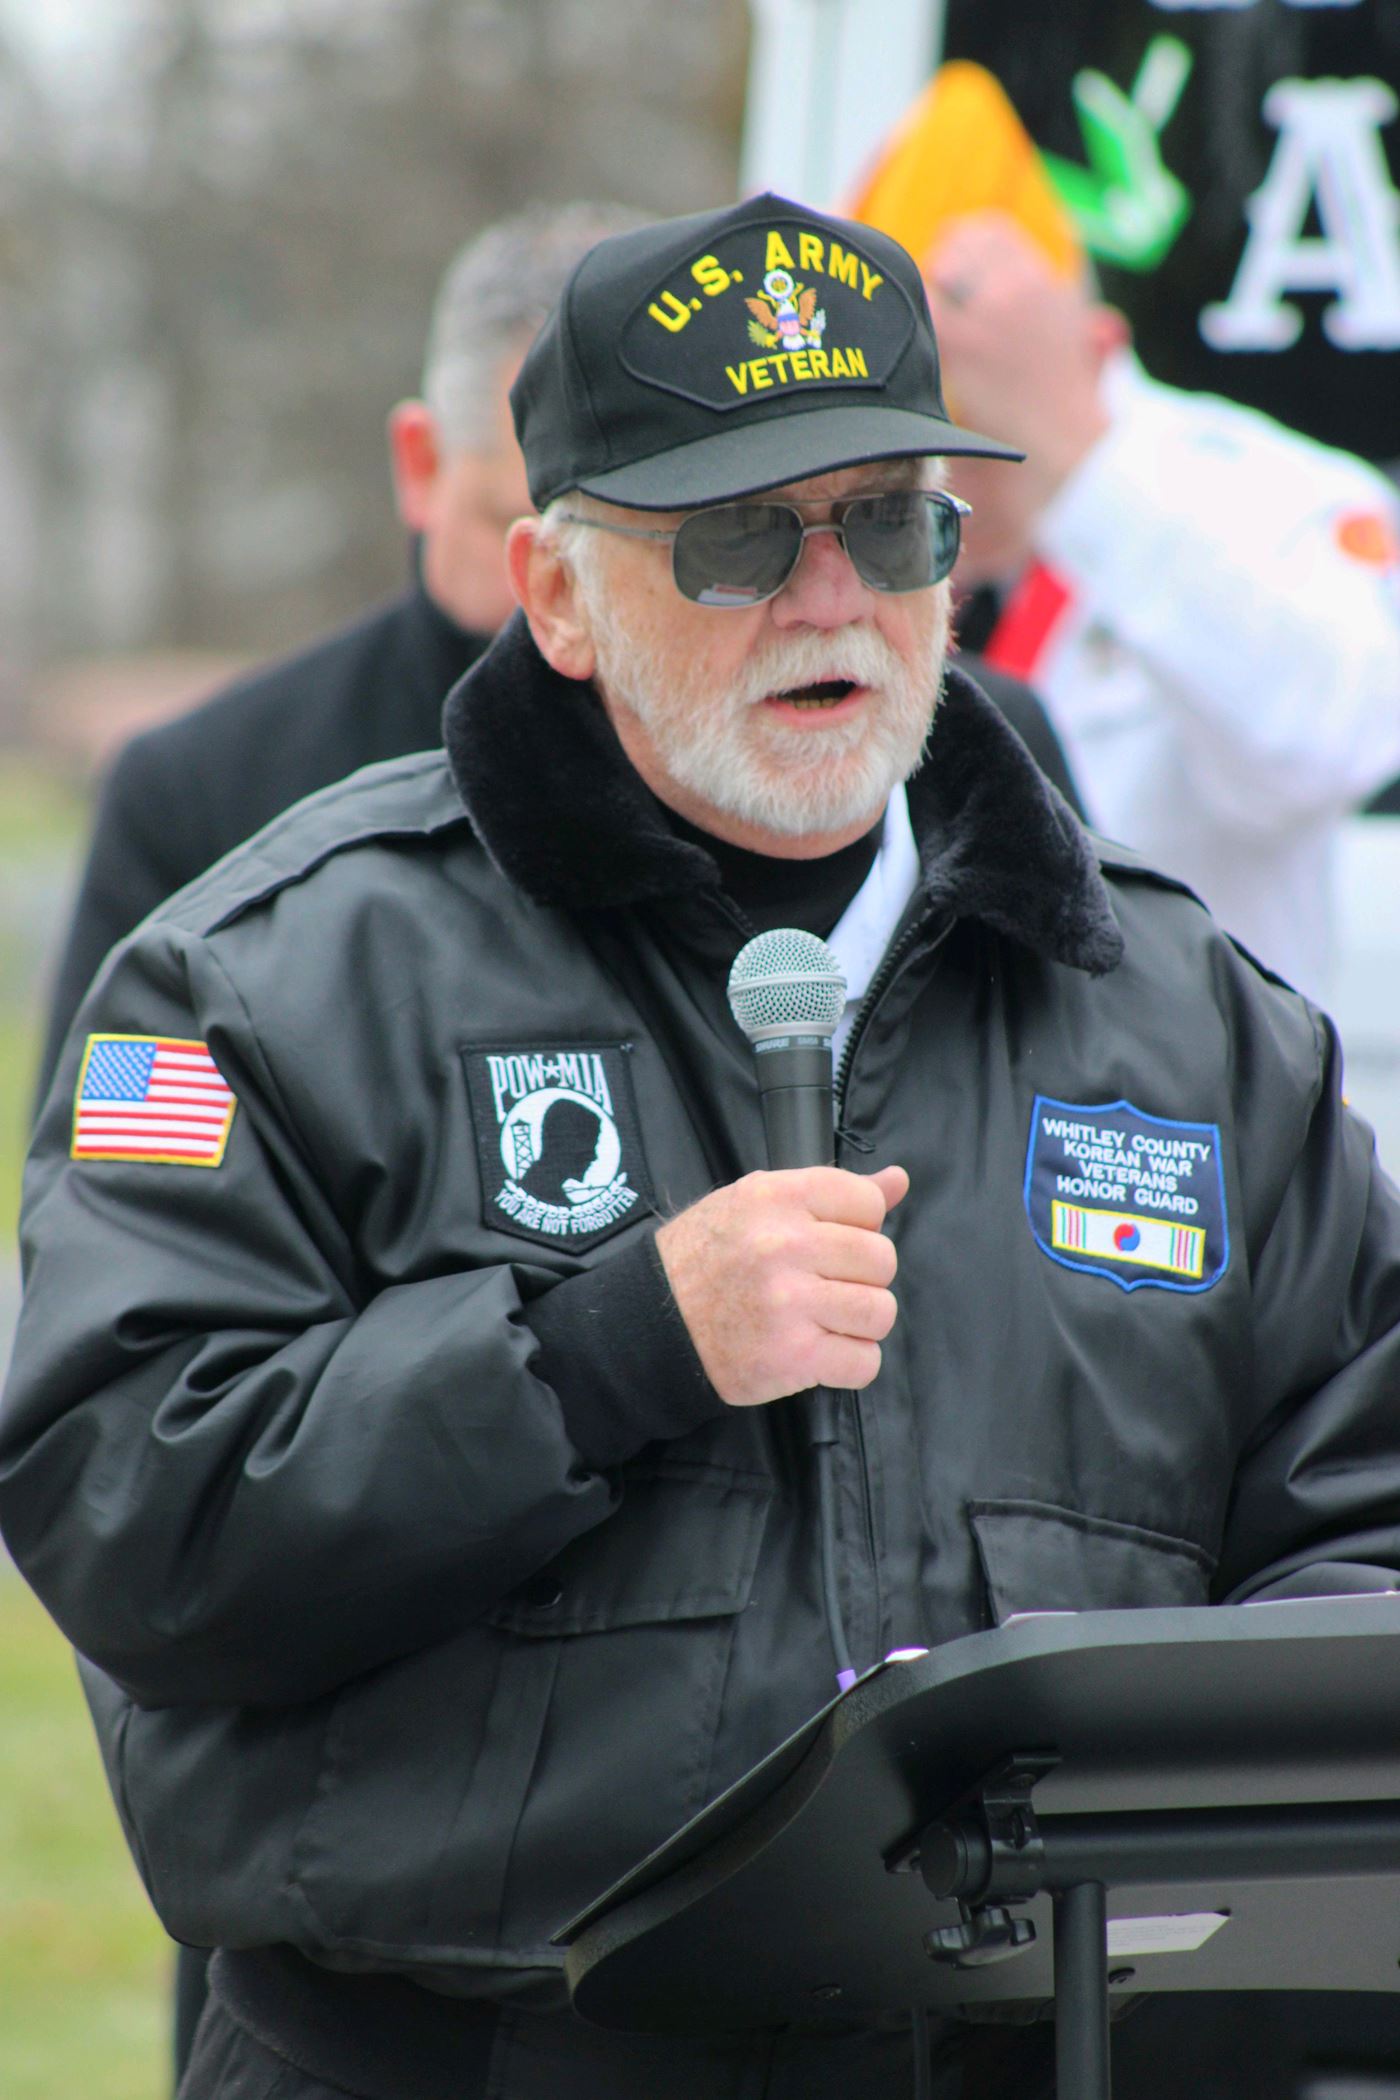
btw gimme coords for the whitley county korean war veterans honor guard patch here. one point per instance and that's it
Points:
(557, 1141)
(1118, 1193)
(154, 1098)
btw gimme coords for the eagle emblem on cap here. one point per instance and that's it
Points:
(789, 316)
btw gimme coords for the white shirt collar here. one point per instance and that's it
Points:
(866, 927)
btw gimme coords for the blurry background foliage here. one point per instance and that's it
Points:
(221, 225)
(221, 222)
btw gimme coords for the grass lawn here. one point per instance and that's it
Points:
(84, 1967)
(43, 819)
(39, 804)
(19, 1058)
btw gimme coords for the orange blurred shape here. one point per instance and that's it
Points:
(1366, 536)
(961, 148)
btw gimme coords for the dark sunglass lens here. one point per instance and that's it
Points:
(903, 541)
(737, 554)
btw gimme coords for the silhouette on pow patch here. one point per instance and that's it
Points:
(570, 1138)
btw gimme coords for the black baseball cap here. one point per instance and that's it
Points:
(713, 356)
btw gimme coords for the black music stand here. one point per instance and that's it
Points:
(1074, 1804)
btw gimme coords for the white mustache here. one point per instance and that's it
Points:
(857, 655)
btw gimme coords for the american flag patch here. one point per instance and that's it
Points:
(151, 1097)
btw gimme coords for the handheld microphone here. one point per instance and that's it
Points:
(787, 992)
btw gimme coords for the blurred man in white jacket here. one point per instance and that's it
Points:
(1208, 603)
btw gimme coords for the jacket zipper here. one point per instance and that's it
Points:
(891, 964)
(893, 961)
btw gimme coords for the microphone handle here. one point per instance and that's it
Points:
(795, 1089)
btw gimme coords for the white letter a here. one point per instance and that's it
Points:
(1329, 148)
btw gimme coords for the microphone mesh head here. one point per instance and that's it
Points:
(786, 983)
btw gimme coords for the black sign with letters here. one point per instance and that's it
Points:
(1235, 166)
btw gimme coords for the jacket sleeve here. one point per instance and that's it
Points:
(1317, 1480)
(234, 1470)
(1256, 576)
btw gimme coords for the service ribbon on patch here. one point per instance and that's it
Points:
(151, 1097)
(1115, 1235)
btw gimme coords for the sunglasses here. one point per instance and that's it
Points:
(739, 554)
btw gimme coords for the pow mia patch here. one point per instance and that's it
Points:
(1119, 1193)
(557, 1141)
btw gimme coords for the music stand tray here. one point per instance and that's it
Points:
(1070, 1805)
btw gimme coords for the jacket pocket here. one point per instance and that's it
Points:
(474, 1796)
(682, 1544)
(1037, 1556)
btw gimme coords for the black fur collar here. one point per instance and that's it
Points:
(566, 819)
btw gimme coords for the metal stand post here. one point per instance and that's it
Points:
(1081, 1993)
(991, 1850)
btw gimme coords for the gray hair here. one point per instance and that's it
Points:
(563, 526)
(497, 290)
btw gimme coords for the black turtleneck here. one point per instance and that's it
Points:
(771, 892)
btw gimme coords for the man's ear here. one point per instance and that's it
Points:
(545, 585)
(1109, 332)
(415, 456)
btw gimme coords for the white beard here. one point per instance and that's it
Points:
(715, 742)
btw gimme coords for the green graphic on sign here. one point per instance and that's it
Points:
(1128, 207)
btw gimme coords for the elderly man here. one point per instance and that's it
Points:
(427, 1489)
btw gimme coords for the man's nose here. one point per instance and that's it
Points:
(824, 589)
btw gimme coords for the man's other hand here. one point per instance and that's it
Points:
(783, 1280)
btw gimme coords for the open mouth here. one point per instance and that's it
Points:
(825, 692)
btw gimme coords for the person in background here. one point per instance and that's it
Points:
(1207, 602)
(182, 794)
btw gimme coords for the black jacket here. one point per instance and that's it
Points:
(181, 795)
(424, 1581)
